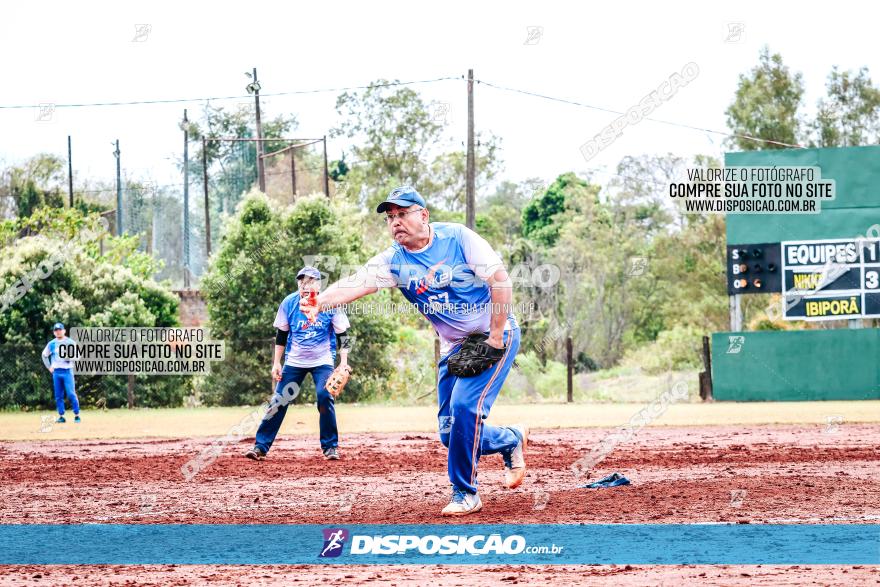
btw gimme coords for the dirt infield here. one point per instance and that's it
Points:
(763, 474)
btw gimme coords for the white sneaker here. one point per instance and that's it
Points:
(515, 462)
(462, 504)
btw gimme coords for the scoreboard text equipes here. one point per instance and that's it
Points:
(831, 279)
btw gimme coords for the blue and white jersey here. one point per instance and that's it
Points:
(51, 352)
(309, 344)
(446, 280)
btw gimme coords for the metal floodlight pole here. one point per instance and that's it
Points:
(117, 154)
(261, 169)
(293, 173)
(207, 206)
(326, 174)
(70, 170)
(186, 280)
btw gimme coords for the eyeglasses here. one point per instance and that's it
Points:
(389, 218)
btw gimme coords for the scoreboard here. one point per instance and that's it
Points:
(831, 279)
(753, 268)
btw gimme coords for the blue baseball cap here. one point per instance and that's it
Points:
(404, 196)
(58, 326)
(309, 271)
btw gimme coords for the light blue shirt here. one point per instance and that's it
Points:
(445, 280)
(51, 357)
(309, 344)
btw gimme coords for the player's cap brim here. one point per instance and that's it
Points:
(402, 203)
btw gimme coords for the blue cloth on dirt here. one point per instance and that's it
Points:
(612, 480)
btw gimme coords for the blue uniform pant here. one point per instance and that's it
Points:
(62, 381)
(269, 427)
(464, 402)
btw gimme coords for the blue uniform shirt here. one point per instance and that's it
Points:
(51, 353)
(309, 344)
(445, 280)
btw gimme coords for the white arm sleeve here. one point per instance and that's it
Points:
(340, 322)
(479, 254)
(46, 352)
(281, 319)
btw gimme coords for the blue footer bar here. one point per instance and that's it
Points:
(244, 544)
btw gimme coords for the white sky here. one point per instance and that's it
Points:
(607, 55)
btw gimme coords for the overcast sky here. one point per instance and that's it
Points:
(608, 55)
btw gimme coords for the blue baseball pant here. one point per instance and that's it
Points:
(464, 402)
(268, 429)
(62, 381)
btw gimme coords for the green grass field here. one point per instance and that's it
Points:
(301, 419)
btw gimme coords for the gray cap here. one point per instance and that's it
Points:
(308, 271)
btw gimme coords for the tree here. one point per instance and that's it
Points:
(398, 141)
(850, 115)
(766, 105)
(235, 160)
(57, 273)
(543, 217)
(38, 182)
(255, 269)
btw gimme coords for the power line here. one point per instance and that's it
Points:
(217, 98)
(678, 124)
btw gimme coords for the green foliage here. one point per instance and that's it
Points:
(540, 218)
(766, 105)
(768, 99)
(84, 290)
(39, 181)
(547, 380)
(675, 349)
(850, 115)
(337, 170)
(397, 138)
(232, 165)
(255, 268)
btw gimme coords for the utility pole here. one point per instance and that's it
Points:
(471, 203)
(293, 172)
(326, 175)
(70, 170)
(254, 87)
(207, 206)
(185, 201)
(117, 154)
(569, 396)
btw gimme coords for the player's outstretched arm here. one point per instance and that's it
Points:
(341, 293)
(365, 282)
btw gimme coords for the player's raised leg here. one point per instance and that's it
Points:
(470, 401)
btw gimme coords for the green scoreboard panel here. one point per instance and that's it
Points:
(831, 279)
(826, 265)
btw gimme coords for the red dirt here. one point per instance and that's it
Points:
(783, 474)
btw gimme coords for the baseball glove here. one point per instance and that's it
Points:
(337, 380)
(474, 356)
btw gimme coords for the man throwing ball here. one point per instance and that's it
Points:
(459, 283)
(309, 346)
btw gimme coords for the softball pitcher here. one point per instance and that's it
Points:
(455, 279)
